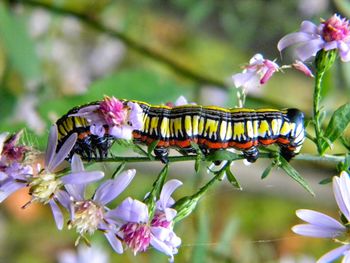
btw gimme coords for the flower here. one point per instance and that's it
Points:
(121, 118)
(45, 186)
(84, 254)
(256, 73)
(333, 33)
(90, 214)
(139, 231)
(321, 225)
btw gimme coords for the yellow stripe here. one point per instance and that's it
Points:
(188, 125)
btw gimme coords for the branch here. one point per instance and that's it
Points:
(144, 50)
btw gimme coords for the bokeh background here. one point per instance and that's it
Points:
(58, 54)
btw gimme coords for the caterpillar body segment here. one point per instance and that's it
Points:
(212, 128)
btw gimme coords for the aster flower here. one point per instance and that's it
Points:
(321, 225)
(84, 254)
(139, 231)
(45, 186)
(256, 73)
(90, 214)
(333, 33)
(120, 118)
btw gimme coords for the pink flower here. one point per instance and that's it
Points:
(113, 111)
(256, 73)
(333, 33)
(121, 117)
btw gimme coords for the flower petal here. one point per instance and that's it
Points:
(333, 254)
(8, 188)
(316, 231)
(341, 189)
(240, 79)
(168, 188)
(82, 177)
(294, 38)
(309, 27)
(162, 247)
(130, 210)
(114, 241)
(57, 214)
(51, 144)
(112, 188)
(309, 49)
(318, 219)
(63, 198)
(62, 153)
(121, 132)
(77, 164)
(76, 191)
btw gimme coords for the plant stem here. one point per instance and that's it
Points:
(316, 109)
(173, 159)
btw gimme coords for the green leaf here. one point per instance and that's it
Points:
(151, 148)
(338, 123)
(197, 163)
(267, 171)
(231, 178)
(118, 170)
(294, 174)
(326, 180)
(222, 155)
(20, 48)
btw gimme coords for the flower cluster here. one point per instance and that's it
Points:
(114, 117)
(130, 224)
(321, 225)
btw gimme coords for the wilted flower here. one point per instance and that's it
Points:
(321, 225)
(139, 231)
(120, 118)
(256, 73)
(333, 33)
(90, 214)
(298, 65)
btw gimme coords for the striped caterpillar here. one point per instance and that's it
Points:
(211, 128)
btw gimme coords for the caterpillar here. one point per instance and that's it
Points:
(211, 128)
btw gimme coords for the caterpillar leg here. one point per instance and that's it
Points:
(162, 154)
(251, 154)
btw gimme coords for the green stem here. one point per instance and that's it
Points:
(323, 62)
(316, 109)
(173, 159)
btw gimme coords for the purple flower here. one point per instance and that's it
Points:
(321, 225)
(333, 33)
(46, 185)
(139, 231)
(90, 214)
(84, 254)
(120, 117)
(256, 73)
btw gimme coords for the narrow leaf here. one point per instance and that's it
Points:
(119, 169)
(326, 181)
(197, 163)
(232, 179)
(338, 123)
(151, 147)
(267, 171)
(294, 175)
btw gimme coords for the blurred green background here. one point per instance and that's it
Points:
(57, 54)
